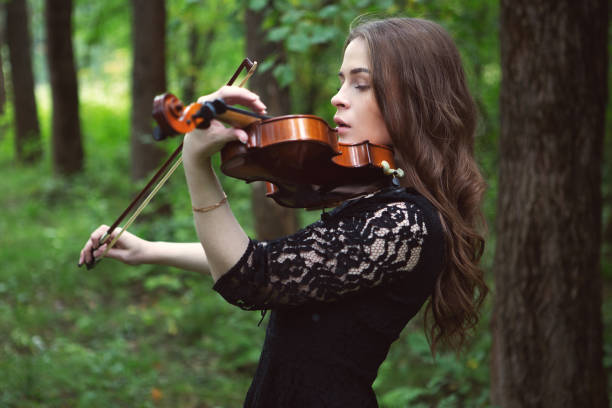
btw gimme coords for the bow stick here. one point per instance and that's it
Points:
(161, 173)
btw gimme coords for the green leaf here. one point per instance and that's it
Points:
(284, 74)
(401, 397)
(323, 34)
(329, 11)
(257, 5)
(266, 65)
(298, 42)
(292, 16)
(279, 33)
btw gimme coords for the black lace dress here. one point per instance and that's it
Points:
(340, 291)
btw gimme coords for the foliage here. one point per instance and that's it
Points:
(219, 49)
(412, 377)
(150, 336)
(113, 335)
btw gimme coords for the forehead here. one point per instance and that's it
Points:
(356, 55)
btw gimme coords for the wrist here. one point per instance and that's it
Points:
(196, 165)
(143, 252)
(199, 173)
(204, 188)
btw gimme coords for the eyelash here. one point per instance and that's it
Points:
(358, 87)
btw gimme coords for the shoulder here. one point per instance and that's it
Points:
(390, 202)
(391, 215)
(401, 212)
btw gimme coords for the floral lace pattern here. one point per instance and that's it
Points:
(358, 249)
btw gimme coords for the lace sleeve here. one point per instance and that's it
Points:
(329, 259)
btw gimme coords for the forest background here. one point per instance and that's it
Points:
(155, 336)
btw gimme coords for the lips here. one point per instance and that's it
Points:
(341, 124)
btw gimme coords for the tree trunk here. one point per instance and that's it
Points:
(148, 80)
(199, 47)
(27, 130)
(66, 130)
(547, 325)
(271, 220)
(2, 85)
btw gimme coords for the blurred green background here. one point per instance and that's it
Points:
(152, 336)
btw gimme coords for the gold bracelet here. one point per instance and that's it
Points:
(210, 207)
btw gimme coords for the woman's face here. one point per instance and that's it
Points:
(357, 116)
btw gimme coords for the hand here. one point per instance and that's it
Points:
(128, 249)
(201, 144)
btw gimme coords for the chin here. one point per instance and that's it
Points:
(351, 140)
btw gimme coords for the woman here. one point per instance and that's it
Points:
(341, 290)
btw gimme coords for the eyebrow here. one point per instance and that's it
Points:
(354, 71)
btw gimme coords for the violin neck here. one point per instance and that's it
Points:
(240, 118)
(230, 115)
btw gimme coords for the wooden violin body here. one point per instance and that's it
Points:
(298, 155)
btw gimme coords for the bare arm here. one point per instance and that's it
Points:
(222, 238)
(189, 256)
(133, 250)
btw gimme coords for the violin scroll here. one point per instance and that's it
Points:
(173, 118)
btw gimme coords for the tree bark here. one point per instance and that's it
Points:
(148, 80)
(66, 129)
(2, 84)
(27, 130)
(199, 48)
(547, 325)
(271, 220)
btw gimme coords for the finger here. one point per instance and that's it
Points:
(83, 255)
(92, 258)
(101, 235)
(248, 99)
(200, 133)
(86, 256)
(89, 254)
(91, 264)
(97, 234)
(117, 253)
(241, 135)
(95, 255)
(235, 95)
(99, 251)
(94, 242)
(231, 134)
(218, 135)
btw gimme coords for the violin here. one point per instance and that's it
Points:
(299, 156)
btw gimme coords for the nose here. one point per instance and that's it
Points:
(339, 100)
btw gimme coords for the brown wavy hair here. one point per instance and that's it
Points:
(421, 89)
